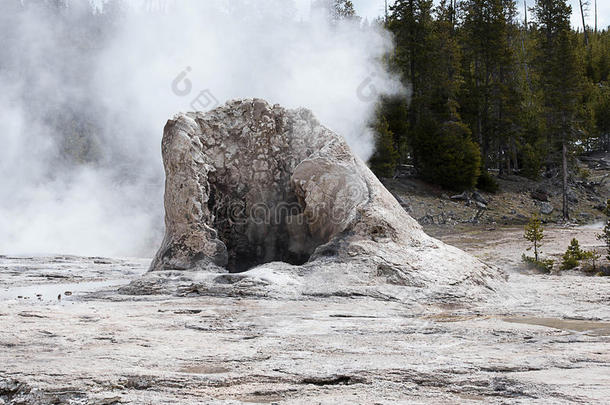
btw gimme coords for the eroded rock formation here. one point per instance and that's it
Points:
(249, 183)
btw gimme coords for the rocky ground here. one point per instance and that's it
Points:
(516, 200)
(67, 336)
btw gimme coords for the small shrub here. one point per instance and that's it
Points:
(604, 271)
(572, 256)
(584, 173)
(569, 263)
(604, 236)
(545, 265)
(486, 182)
(592, 257)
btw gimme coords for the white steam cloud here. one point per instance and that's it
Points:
(84, 98)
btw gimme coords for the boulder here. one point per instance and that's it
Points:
(426, 220)
(572, 196)
(405, 172)
(461, 197)
(260, 189)
(540, 195)
(587, 216)
(478, 197)
(480, 205)
(404, 204)
(546, 208)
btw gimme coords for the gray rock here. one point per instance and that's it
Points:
(405, 172)
(585, 215)
(540, 195)
(478, 197)
(572, 196)
(597, 163)
(461, 197)
(276, 349)
(248, 184)
(404, 204)
(426, 220)
(546, 208)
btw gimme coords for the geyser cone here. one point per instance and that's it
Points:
(249, 183)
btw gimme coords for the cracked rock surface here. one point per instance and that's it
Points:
(265, 200)
(544, 342)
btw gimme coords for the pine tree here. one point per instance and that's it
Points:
(383, 162)
(560, 79)
(428, 55)
(491, 99)
(343, 9)
(572, 255)
(336, 10)
(528, 104)
(446, 155)
(412, 24)
(601, 116)
(534, 233)
(395, 110)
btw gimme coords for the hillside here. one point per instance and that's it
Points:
(517, 199)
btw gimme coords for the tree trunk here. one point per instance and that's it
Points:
(584, 26)
(564, 153)
(414, 118)
(386, 11)
(514, 154)
(596, 16)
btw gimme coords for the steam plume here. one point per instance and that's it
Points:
(84, 96)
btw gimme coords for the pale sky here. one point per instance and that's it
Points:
(372, 9)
